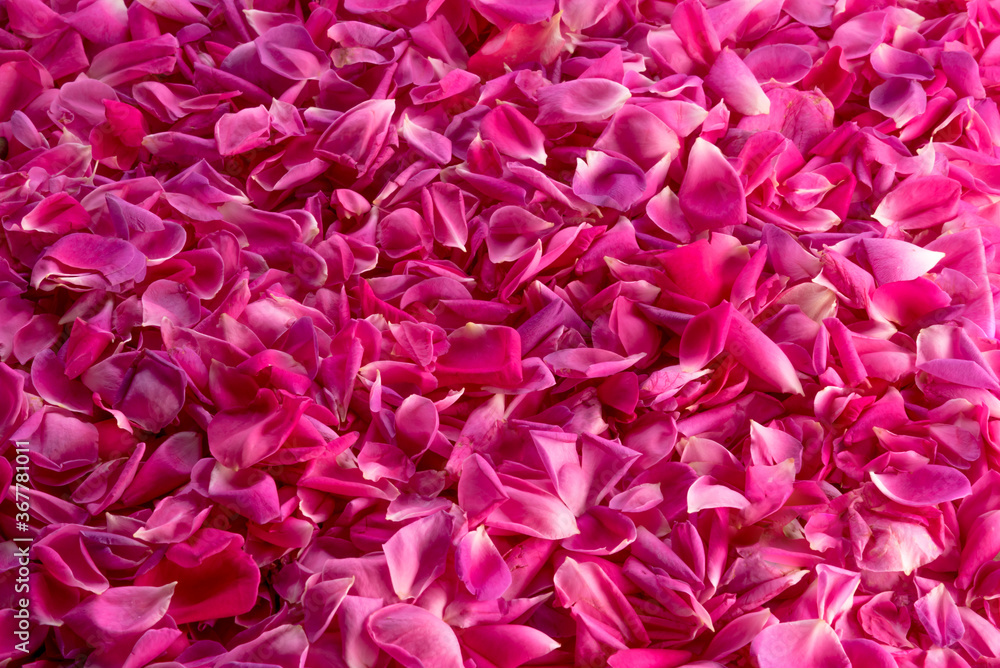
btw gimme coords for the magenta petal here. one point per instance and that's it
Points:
(284, 646)
(479, 489)
(704, 337)
(940, 616)
(783, 63)
(603, 531)
(243, 131)
(861, 35)
(892, 62)
(896, 260)
(883, 620)
(513, 134)
(981, 551)
(706, 492)
(809, 644)
(87, 260)
(155, 394)
(432, 145)
(963, 74)
(416, 554)
(694, 28)
(905, 302)
(250, 492)
(288, 50)
(736, 83)
(480, 566)
(508, 645)
(175, 519)
(590, 593)
(531, 511)
(170, 300)
(444, 207)
(415, 637)
(321, 601)
(814, 13)
(920, 202)
(59, 214)
(580, 100)
(215, 577)
(737, 634)
(711, 194)
(900, 99)
(239, 438)
(760, 355)
(639, 135)
(926, 486)
(589, 362)
(608, 181)
(121, 611)
(558, 452)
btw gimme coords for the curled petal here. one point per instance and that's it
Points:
(580, 100)
(736, 83)
(711, 194)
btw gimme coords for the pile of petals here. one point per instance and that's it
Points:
(490, 333)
